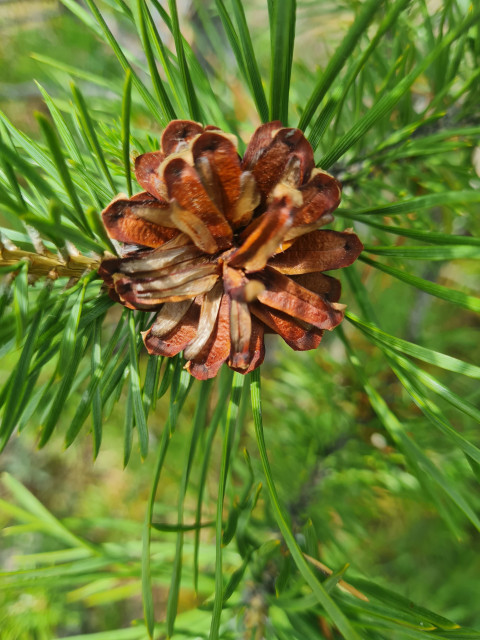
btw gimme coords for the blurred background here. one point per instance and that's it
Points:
(337, 469)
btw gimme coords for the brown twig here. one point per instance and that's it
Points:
(341, 584)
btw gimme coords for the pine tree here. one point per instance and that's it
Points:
(389, 104)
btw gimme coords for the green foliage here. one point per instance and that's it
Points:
(374, 432)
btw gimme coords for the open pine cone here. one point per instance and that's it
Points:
(226, 249)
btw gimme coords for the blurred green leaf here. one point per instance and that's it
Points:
(445, 293)
(338, 60)
(427, 355)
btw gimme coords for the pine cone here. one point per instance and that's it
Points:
(226, 248)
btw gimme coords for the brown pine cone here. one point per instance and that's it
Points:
(226, 248)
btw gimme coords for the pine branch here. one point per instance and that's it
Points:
(50, 265)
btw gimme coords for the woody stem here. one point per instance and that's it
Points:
(49, 264)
